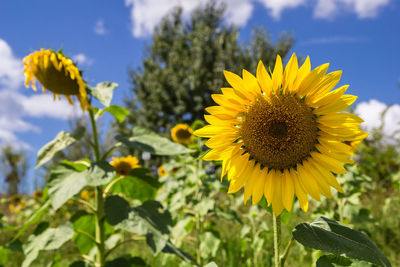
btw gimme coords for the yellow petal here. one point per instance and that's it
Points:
(307, 182)
(318, 178)
(330, 178)
(238, 165)
(238, 85)
(238, 182)
(302, 73)
(290, 73)
(248, 188)
(211, 130)
(277, 75)
(268, 187)
(331, 97)
(300, 191)
(277, 205)
(222, 140)
(326, 84)
(258, 187)
(287, 190)
(312, 80)
(251, 83)
(329, 163)
(264, 79)
(220, 122)
(342, 103)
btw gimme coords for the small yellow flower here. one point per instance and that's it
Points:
(56, 73)
(182, 134)
(38, 194)
(16, 204)
(124, 165)
(86, 194)
(161, 171)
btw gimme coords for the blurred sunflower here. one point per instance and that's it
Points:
(86, 194)
(124, 165)
(16, 204)
(161, 171)
(182, 134)
(56, 73)
(282, 135)
(38, 194)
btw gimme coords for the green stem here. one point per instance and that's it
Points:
(277, 239)
(99, 215)
(286, 252)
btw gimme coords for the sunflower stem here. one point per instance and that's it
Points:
(277, 239)
(99, 215)
(286, 251)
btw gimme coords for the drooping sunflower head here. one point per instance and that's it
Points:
(124, 165)
(282, 134)
(161, 171)
(56, 73)
(182, 134)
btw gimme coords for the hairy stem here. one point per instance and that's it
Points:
(277, 239)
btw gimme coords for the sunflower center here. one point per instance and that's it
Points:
(279, 132)
(183, 134)
(57, 81)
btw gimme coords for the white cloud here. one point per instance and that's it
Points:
(45, 106)
(146, 14)
(82, 59)
(99, 28)
(328, 9)
(11, 69)
(277, 6)
(371, 113)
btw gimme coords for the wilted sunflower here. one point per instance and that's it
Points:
(124, 165)
(282, 135)
(182, 134)
(56, 73)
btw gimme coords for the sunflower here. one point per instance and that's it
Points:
(56, 73)
(38, 194)
(182, 134)
(86, 194)
(161, 171)
(124, 165)
(16, 204)
(282, 135)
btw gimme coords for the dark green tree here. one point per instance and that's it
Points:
(184, 66)
(14, 167)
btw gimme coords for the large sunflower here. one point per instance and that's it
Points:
(283, 134)
(56, 73)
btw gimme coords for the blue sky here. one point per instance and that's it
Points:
(108, 38)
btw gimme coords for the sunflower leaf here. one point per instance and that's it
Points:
(332, 261)
(103, 92)
(49, 239)
(330, 236)
(61, 141)
(66, 181)
(118, 112)
(154, 144)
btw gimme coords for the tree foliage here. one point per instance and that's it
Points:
(185, 64)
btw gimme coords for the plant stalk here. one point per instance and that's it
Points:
(277, 239)
(99, 215)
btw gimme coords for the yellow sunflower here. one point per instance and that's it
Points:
(16, 204)
(86, 194)
(38, 194)
(56, 73)
(124, 165)
(182, 134)
(282, 135)
(161, 171)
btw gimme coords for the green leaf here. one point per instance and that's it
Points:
(103, 92)
(50, 239)
(118, 112)
(332, 260)
(209, 245)
(136, 187)
(65, 181)
(118, 262)
(80, 264)
(61, 141)
(116, 209)
(150, 221)
(330, 236)
(84, 222)
(154, 144)
(211, 264)
(35, 217)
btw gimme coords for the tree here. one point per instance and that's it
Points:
(185, 64)
(14, 165)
